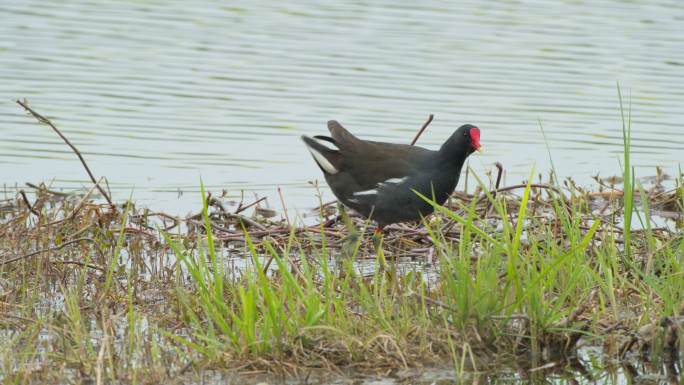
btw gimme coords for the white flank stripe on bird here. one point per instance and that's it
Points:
(366, 192)
(395, 180)
(322, 161)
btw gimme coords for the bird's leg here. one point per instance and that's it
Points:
(350, 242)
(377, 236)
(346, 219)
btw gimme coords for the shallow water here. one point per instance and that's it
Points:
(585, 368)
(157, 94)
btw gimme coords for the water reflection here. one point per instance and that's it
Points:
(586, 368)
(157, 94)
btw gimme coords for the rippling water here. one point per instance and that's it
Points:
(157, 94)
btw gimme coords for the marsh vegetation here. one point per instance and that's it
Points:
(527, 273)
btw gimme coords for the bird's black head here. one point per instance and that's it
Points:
(462, 142)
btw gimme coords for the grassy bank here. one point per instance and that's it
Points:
(88, 290)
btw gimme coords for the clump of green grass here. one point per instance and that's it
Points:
(302, 309)
(538, 284)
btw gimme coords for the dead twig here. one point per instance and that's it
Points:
(76, 209)
(245, 220)
(282, 202)
(47, 121)
(47, 190)
(78, 263)
(499, 167)
(27, 203)
(490, 207)
(31, 254)
(532, 185)
(427, 122)
(242, 208)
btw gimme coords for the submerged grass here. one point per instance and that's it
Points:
(91, 292)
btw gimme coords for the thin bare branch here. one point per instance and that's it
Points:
(31, 254)
(47, 121)
(27, 203)
(427, 122)
(243, 208)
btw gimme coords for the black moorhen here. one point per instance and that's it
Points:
(376, 179)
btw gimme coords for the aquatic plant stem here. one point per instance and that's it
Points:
(628, 174)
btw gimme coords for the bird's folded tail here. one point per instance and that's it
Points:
(343, 138)
(328, 159)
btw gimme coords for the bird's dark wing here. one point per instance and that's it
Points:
(382, 161)
(373, 162)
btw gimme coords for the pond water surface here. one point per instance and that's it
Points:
(157, 94)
